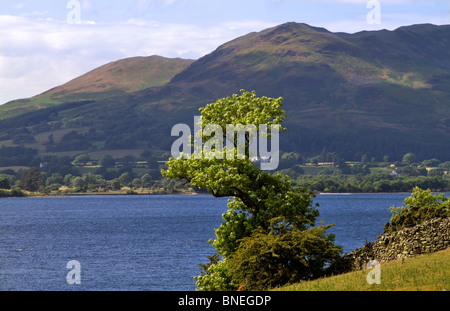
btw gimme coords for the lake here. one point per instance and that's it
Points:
(142, 243)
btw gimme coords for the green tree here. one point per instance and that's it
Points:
(31, 179)
(107, 161)
(409, 158)
(55, 178)
(4, 182)
(79, 183)
(68, 180)
(257, 197)
(82, 159)
(137, 183)
(445, 166)
(125, 178)
(115, 184)
(431, 163)
(146, 180)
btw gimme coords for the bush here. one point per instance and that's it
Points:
(5, 182)
(282, 256)
(422, 205)
(15, 192)
(215, 276)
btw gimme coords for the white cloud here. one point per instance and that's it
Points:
(19, 5)
(39, 54)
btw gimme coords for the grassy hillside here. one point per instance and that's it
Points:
(429, 272)
(114, 79)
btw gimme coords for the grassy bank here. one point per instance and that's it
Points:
(430, 272)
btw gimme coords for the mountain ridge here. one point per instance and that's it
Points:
(116, 78)
(339, 89)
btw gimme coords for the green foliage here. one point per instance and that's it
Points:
(107, 161)
(31, 179)
(71, 141)
(431, 163)
(82, 159)
(422, 205)
(257, 197)
(215, 276)
(10, 156)
(377, 182)
(445, 166)
(146, 180)
(283, 255)
(15, 192)
(409, 158)
(5, 182)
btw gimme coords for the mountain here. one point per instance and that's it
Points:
(374, 92)
(114, 79)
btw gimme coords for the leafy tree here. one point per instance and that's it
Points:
(445, 166)
(128, 161)
(436, 172)
(61, 165)
(31, 179)
(115, 184)
(4, 182)
(79, 182)
(107, 161)
(431, 163)
(146, 180)
(257, 197)
(82, 159)
(125, 178)
(68, 179)
(55, 178)
(409, 158)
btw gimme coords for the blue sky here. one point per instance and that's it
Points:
(41, 47)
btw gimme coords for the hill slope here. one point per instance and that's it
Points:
(376, 93)
(428, 272)
(114, 79)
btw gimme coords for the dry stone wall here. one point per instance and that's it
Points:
(427, 237)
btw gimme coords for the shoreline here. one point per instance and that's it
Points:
(89, 194)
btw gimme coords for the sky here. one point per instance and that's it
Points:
(45, 43)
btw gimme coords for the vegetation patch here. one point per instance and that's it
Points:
(430, 272)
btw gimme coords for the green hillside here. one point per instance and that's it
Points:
(114, 79)
(430, 272)
(374, 93)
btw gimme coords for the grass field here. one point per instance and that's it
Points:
(429, 272)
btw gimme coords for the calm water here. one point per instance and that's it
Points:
(142, 242)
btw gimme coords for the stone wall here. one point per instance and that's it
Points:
(427, 237)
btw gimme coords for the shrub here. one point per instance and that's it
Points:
(284, 255)
(215, 276)
(422, 205)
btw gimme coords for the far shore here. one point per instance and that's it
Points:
(143, 193)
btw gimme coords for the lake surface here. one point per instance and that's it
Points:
(136, 243)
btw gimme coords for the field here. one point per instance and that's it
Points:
(429, 272)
